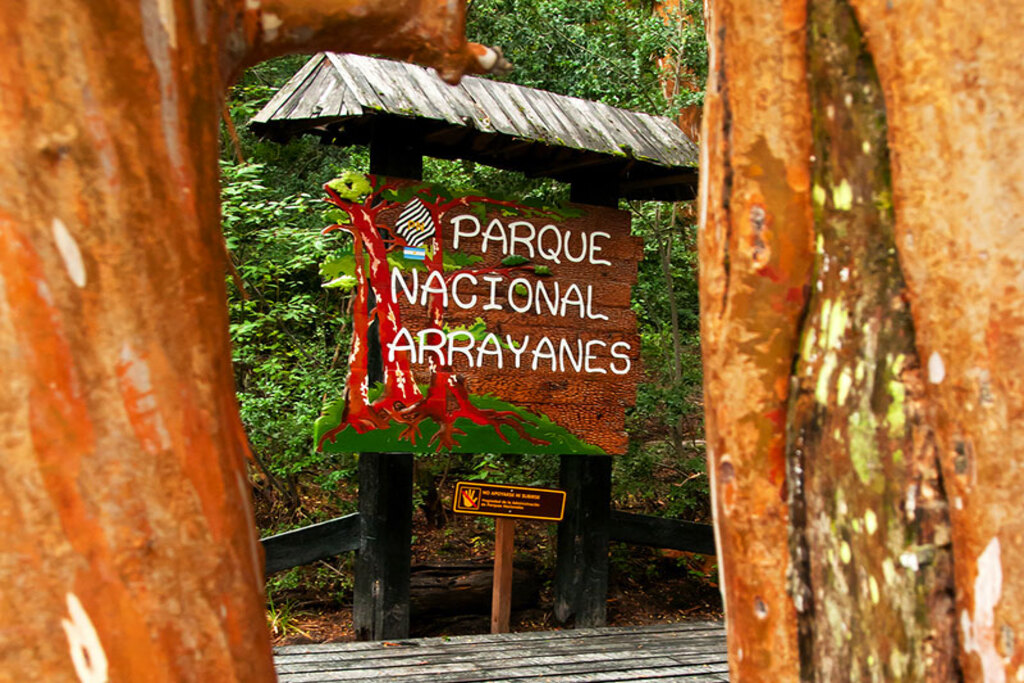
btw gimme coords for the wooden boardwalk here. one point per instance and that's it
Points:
(691, 651)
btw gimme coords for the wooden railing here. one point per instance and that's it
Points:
(341, 535)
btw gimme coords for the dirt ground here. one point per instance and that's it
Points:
(646, 586)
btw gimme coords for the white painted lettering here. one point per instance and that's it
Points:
(551, 301)
(458, 232)
(583, 247)
(495, 233)
(398, 282)
(594, 248)
(492, 305)
(436, 350)
(550, 254)
(396, 345)
(517, 351)
(465, 305)
(620, 356)
(464, 350)
(590, 306)
(520, 308)
(492, 340)
(589, 356)
(549, 354)
(435, 284)
(565, 351)
(526, 241)
(573, 291)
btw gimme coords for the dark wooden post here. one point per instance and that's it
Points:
(381, 598)
(596, 189)
(396, 148)
(380, 608)
(581, 572)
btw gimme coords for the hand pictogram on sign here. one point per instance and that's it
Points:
(470, 498)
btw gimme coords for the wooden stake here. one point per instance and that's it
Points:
(501, 601)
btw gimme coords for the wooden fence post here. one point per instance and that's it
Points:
(581, 572)
(501, 594)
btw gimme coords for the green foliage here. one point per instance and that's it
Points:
(281, 618)
(475, 439)
(351, 185)
(664, 468)
(602, 50)
(290, 336)
(514, 260)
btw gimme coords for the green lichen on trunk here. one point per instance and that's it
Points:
(872, 570)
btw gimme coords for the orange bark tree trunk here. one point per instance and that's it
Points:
(881, 143)
(129, 551)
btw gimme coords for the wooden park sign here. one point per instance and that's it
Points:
(504, 500)
(503, 326)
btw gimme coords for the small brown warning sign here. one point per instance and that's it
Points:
(502, 500)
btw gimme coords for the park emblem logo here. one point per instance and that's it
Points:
(479, 324)
(416, 226)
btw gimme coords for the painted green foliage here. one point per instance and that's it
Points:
(393, 411)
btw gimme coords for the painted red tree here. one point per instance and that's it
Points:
(362, 199)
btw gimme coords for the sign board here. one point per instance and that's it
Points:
(504, 327)
(501, 500)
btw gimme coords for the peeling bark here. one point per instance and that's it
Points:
(906, 399)
(756, 256)
(129, 550)
(957, 137)
(870, 522)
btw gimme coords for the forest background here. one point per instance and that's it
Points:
(291, 335)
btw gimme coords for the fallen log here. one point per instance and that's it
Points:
(464, 587)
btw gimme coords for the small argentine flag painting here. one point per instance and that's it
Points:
(416, 226)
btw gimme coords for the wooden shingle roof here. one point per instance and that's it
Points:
(344, 98)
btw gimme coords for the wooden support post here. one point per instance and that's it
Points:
(396, 148)
(501, 597)
(596, 189)
(380, 607)
(581, 572)
(380, 604)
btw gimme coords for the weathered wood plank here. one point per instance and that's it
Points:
(583, 137)
(304, 93)
(545, 120)
(662, 533)
(527, 666)
(695, 650)
(311, 543)
(320, 87)
(391, 91)
(529, 118)
(504, 114)
(271, 108)
(509, 654)
(680, 643)
(443, 97)
(700, 628)
(554, 668)
(356, 82)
